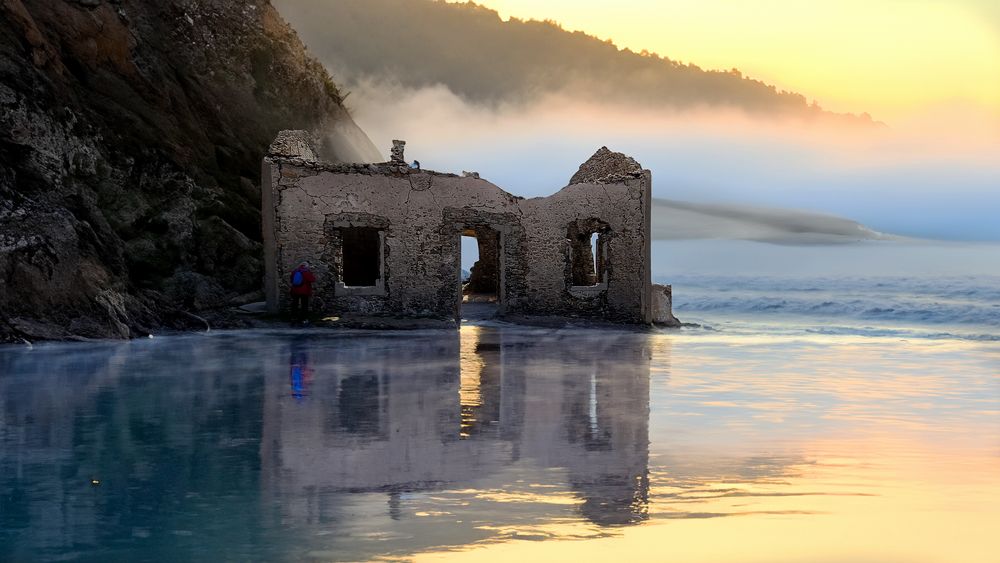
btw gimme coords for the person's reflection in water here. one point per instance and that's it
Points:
(299, 371)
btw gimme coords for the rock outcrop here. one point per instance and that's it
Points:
(131, 134)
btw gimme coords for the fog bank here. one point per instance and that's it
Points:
(678, 220)
(934, 176)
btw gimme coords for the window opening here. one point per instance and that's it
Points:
(588, 254)
(362, 253)
(594, 241)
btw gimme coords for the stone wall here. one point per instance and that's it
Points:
(422, 215)
(663, 306)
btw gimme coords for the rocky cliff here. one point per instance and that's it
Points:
(131, 134)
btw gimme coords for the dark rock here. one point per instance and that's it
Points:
(191, 291)
(131, 135)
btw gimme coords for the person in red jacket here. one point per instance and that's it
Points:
(302, 281)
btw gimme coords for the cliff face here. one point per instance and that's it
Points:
(131, 134)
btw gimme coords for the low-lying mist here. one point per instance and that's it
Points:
(681, 220)
(933, 176)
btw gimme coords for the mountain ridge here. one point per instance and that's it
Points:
(484, 59)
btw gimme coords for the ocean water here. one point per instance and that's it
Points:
(501, 443)
(940, 307)
(915, 289)
(808, 416)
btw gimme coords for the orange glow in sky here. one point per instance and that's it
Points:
(886, 57)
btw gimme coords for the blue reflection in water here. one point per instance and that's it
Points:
(300, 371)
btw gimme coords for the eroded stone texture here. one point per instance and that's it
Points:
(663, 306)
(397, 154)
(420, 216)
(607, 167)
(295, 144)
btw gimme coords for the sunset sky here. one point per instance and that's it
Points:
(887, 57)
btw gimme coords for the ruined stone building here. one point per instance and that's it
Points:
(385, 239)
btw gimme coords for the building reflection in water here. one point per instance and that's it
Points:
(355, 446)
(462, 409)
(271, 446)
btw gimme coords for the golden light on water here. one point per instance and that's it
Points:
(470, 385)
(870, 454)
(579, 445)
(896, 510)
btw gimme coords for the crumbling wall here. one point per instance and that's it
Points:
(663, 306)
(618, 210)
(421, 217)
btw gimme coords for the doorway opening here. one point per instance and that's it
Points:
(480, 277)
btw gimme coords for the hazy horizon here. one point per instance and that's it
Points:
(930, 172)
(917, 180)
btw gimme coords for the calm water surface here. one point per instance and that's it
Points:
(502, 443)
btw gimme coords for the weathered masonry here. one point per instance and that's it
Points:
(385, 239)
